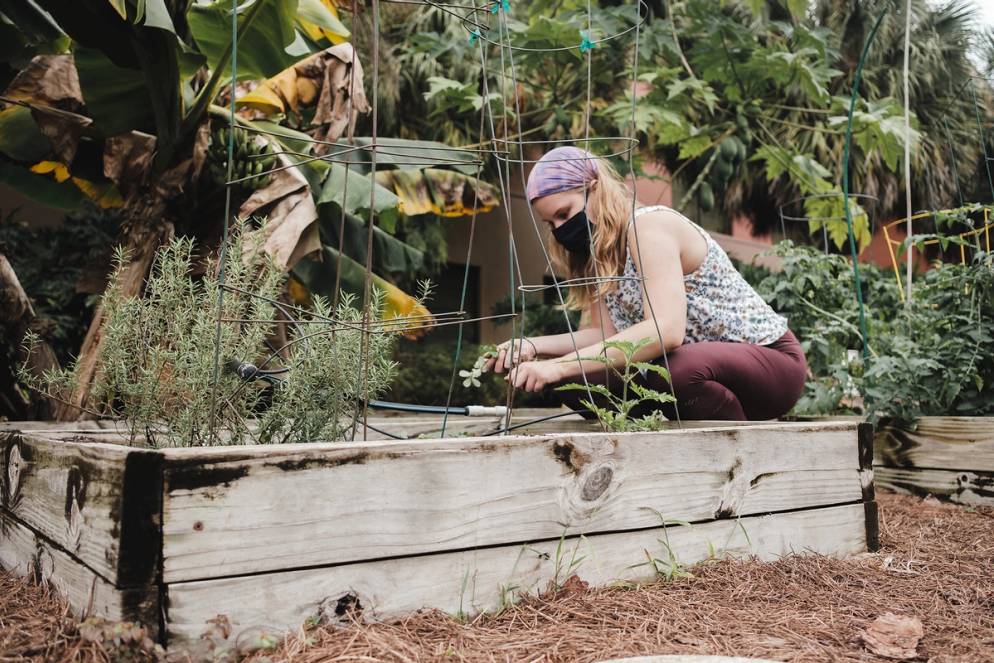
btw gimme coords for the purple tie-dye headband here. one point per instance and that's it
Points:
(561, 169)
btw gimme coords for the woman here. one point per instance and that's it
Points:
(730, 355)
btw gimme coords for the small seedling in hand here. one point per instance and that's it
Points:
(472, 376)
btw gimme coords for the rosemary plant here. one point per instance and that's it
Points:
(157, 368)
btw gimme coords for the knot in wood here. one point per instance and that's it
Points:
(340, 611)
(596, 483)
(11, 478)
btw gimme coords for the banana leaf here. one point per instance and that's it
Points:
(318, 277)
(262, 47)
(411, 154)
(356, 196)
(104, 193)
(20, 138)
(116, 98)
(41, 188)
(289, 140)
(304, 83)
(319, 18)
(390, 255)
(440, 192)
(30, 19)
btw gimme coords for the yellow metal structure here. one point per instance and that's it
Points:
(893, 244)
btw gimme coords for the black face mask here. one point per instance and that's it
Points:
(574, 235)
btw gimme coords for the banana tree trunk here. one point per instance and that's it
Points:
(19, 317)
(144, 231)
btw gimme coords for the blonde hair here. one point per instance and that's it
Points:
(612, 198)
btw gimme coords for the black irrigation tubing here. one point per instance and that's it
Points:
(532, 422)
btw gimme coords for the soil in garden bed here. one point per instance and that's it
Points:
(935, 564)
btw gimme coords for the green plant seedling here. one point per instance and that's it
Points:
(616, 416)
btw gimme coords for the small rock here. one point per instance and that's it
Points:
(893, 636)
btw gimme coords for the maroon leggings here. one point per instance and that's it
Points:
(718, 380)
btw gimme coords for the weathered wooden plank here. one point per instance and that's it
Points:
(943, 443)
(523, 422)
(81, 426)
(100, 503)
(401, 424)
(476, 580)
(243, 510)
(962, 487)
(24, 552)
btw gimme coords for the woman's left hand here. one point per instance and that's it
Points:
(536, 375)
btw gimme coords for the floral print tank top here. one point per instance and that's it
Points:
(721, 305)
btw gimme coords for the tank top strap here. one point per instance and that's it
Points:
(665, 208)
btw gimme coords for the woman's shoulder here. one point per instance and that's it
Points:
(648, 212)
(661, 221)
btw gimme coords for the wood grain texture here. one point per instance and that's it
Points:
(240, 510)
(942, 443)
(25, 553)
(962, 487)
(98, 502)
(476, 580)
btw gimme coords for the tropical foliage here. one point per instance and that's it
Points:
(745, 102)
(935, 357)
(124, 105)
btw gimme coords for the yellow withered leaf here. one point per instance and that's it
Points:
(58, 170)
(442, 192)
(398, 306)
(322, 80)
(104, 194)
(334, 31)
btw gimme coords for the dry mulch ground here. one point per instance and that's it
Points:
(936, 564)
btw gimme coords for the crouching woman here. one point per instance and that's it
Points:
(651, 273)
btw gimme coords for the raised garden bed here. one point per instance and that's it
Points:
(272, 536)
(951, 458)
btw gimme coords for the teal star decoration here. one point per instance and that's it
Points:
(473, 36)
(586, 44)
(501, 4)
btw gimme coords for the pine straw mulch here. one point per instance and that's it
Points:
(936, 563)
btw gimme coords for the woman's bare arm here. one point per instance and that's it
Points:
(595, 326)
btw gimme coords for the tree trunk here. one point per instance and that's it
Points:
(19, 316)
(143, 233)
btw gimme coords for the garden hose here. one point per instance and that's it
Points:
(248, 372)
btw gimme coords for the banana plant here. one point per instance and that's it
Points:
(123, 105)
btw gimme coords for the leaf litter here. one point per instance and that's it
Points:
(927, 595)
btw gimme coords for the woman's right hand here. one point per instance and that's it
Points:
(524, 350)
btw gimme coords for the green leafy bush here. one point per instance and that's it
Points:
(935, 357)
